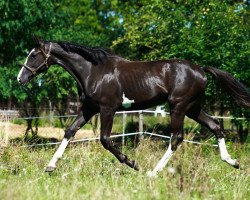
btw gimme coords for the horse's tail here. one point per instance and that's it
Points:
(233, 87)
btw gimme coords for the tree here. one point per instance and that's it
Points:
(52, 20)
(210, 33)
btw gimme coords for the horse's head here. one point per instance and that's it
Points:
(36, 62)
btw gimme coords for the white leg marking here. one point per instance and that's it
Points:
(224, 154)
(58, 153)
(162, 163)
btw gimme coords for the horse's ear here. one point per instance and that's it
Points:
(38, 41)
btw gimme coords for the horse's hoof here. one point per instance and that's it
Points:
(135, 165)
(151, 174)
(50, 169)
(237, 164)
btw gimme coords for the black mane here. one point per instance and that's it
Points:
(95, 55)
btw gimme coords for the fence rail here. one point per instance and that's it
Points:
(120, 135)
(5, 120)
(14, 115)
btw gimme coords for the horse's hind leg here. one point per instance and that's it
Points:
(204, 119)
(83, 116)
(177, 118)
(106, 116)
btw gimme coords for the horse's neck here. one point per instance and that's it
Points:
(72, 63)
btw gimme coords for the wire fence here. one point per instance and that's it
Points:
(11, 127)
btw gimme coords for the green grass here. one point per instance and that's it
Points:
(88, 171)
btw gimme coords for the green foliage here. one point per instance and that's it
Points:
(52, 20)
(210, 33)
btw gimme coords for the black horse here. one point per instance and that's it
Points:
(106, 81)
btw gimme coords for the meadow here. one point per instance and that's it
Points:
(88, 171)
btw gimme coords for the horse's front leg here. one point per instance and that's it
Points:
(107, 116)
(82, 118)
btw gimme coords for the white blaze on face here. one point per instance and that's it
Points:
(21, 71)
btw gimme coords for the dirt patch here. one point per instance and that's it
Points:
(17, 131)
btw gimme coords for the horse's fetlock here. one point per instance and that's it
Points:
(180, 137)
(69, 134)
(105, 142)
(174, 147)
(124, 159)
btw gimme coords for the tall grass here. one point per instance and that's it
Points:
(88, 171)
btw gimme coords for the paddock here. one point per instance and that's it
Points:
(87, 171)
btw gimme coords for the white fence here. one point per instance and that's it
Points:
(124, 114)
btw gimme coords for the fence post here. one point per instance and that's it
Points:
(141, 124)
(7, 129)
(124, 115)
(51, 119)
(5, 119)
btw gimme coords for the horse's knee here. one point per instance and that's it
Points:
(105, 142)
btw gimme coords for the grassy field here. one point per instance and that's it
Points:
(88, 171)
